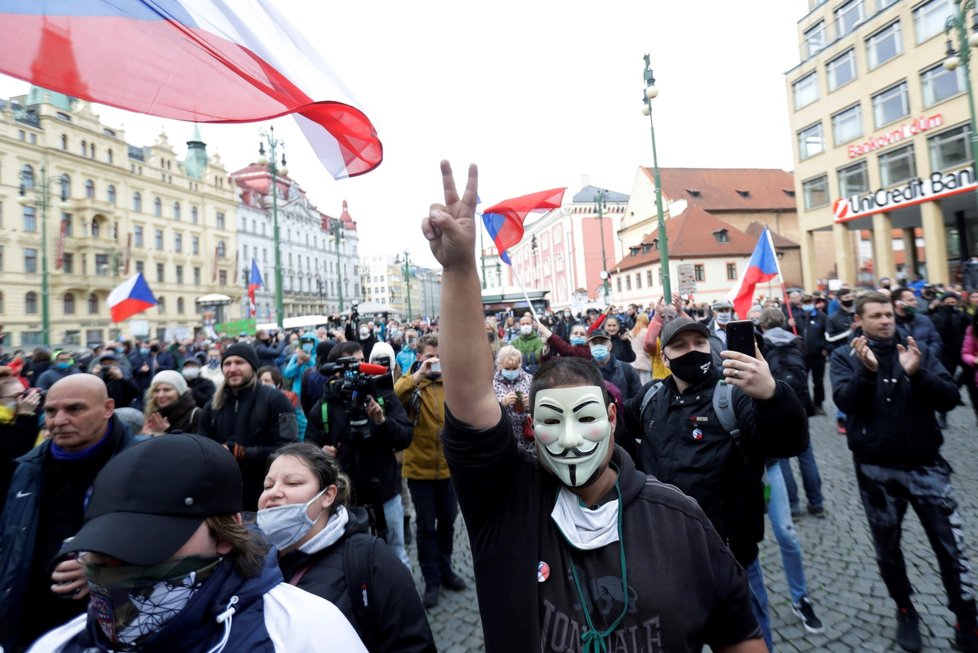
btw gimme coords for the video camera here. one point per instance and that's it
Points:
(357, 381)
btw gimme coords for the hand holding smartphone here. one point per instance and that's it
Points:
(740, 337)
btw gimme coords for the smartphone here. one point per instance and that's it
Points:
(436, 365)
(740, 337)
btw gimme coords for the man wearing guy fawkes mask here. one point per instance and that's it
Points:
(585, 517)
(684, 443)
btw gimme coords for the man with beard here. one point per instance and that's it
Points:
(686, 441)
(549, 533)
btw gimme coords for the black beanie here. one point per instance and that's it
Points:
(322, 351)
(245, 351)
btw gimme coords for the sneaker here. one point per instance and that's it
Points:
(816, 512)
(452, 581)
(796, 512)
(840, 426)
(806, 612)
(908, 630)
(430, 597)
(966, 639)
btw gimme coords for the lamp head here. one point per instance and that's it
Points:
(952, 62)
(646, 110)
(651, 92)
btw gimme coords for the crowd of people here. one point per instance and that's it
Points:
(233, 494)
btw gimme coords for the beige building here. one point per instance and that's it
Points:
(109, 209)
(880, 131)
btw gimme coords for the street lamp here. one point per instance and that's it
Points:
(650, 94)
(268, 136)
(41, 200)
(407, 281)
(599, 200)
(957, 21)
(336, 230)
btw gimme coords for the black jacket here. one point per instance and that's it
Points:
(890, 416)
(811, 327)
(16, 439)
(397, 620)
(123, 391)
(267, 354)
(259, 418)
(202, 389)
(683, 444)
(838, 329)
(621, 348)
(183, 414)
(623, 375)
(369, 462)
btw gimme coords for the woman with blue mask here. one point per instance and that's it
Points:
(512, 386)
(322, 542)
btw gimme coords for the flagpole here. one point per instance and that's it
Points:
(784, 290)
(519, 281)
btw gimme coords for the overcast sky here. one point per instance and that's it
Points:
(538, 93)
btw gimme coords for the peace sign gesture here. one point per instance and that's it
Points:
(450, 227)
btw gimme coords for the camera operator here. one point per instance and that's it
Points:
(360, 332)
(120, 389)
(364, 433)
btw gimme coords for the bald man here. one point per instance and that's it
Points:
(46, 503)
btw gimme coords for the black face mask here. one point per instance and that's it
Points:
(692, 367)
(846, 302)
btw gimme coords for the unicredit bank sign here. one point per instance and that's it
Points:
(903, 132)
(916, 191)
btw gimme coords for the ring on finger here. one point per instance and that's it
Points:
(736, 373)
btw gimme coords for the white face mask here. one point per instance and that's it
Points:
(286, 525)
(526, 329)
(573, 432)
(191, 372)
(364, 334)
(724, 317)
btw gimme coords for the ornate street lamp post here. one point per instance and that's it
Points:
(650, 94)
(605, 284)
(41, 200)
(268, 137)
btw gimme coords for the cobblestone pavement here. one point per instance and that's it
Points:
(843, 579)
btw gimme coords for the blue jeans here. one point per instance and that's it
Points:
(810, 478)
(394, 515)
(758, 600)
(784, 530)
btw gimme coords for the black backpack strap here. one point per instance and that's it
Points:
(723, 406)
(358, 566)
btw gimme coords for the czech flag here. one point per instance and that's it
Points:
(504, 221)
(197, 60)
(254, 283)
(763, 266)
(130, 297)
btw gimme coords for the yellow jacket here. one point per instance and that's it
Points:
(425, 458)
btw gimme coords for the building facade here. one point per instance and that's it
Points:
(79, 201)
(881, 139)
(406, 290)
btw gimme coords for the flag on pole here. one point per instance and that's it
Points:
(763, 266)
(198, 60)
(504, 221)
(130, 297)
(254, 283)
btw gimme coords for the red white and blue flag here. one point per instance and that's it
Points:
(197, 60)
(254, 283)
(763, 266)
(130, 297)
(504, 221)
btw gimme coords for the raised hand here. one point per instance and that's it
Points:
(450, 227)
(861, 347)
(909, 356)
(749, 373)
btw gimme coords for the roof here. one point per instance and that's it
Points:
(729, 189)
(755, 228)
(691, 234)
(590, 194)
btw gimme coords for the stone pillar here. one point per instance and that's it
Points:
(935, 241)
(809, 276)
(910, 251)
(845, 261)
(883, 264)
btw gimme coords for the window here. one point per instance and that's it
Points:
(30, 219)
(848, 16)
(27, 177)
(159, 239)
(949, 148)
(847, 124)
(69, 304)
(30, 260)
(108, 156)
(815, 39)
(891, 104)
(811, 141)
(137, 202)
(68, 263)
(648, 277)
(897, 165)
(110, 194)
(731, 271)
(101, 265)
(221, 250)
(1, 264)
(699, 272)
(158, 207)
(178, 242)
(65, 183)
(929, 18)
(96, 229)
(805, 90)
(884, 45)
(180, 306)
(618, 283)
(222, 277)
(815, 192)
(84, 148)
(89, 189)
(137, 236)
(160, 273)
(140, 267)
(853, 180)
(196, 276)
(193, 214)
(180, 274)
(30, 303)
(92, 304)
(244, 252)
(638, 280)
(195, 245)
(176, 210)
(220, 219)
(64, 142)
(842, 69)
(628, 282)
(938, 84)
(161, 305)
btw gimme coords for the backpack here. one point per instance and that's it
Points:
(788, 365)
(723, 406)
(358, 568)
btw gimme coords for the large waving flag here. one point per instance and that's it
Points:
(504, 221)
(763, 266)
(254, 283)
(197, 60)
(130, 297)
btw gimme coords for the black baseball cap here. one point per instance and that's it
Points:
(681, 325)
(148, 500)
(599, 334)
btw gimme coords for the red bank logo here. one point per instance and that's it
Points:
(917, 190)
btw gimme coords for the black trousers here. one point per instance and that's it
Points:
(816, 367)
(435, 508)
(886, 492)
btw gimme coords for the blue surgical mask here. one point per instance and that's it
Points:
(144, 351)
(286, 525)
(808, 307)
(578, 340)
(511, 375)
(307, 347)
(62, 365)
(119, 350)
(600, 352)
